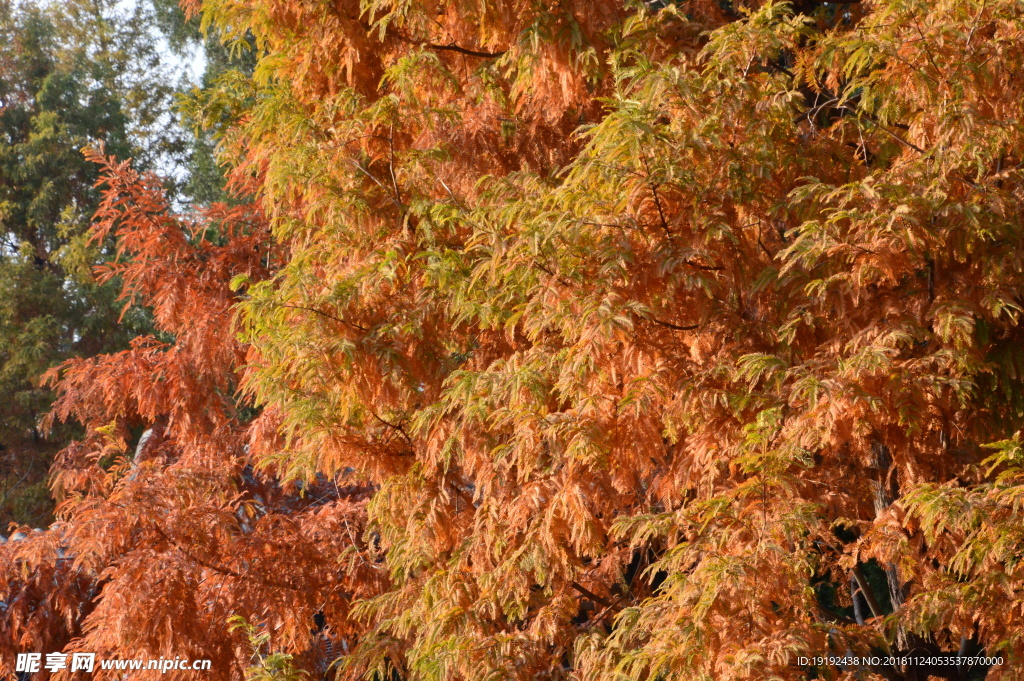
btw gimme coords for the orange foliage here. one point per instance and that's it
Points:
(581, 341)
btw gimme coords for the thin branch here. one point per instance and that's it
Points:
(10, 489)
(590, 594)
(393, 426)
(928, 49)
(706, 268)
(974, 27)
(380, 184)
(548, 272)
(657, 199)
(324, 314)
(888, 132)
(220, 569)
(676, 327)
(865, 590)
(391, 165)
(450, 47)
(463, 50)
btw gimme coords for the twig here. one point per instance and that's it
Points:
(322, 313)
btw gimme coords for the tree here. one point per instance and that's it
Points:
(71, 74)
(606, 341)
(222, 61)
(158, 547)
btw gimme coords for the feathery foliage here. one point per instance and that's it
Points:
(579, 341)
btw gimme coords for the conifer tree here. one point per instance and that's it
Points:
(72, 74)
(586, 341)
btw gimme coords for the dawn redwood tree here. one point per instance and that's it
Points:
(671, 340)
(592, 341)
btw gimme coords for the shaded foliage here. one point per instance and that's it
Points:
(71, 74)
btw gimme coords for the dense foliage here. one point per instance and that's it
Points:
(72, 74)
(575, 341)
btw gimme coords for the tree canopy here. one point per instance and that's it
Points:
(591, 341)
(72, 74)
(78, 74)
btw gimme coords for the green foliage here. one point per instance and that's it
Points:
(72, 75)
(266, 666)
(223, 59)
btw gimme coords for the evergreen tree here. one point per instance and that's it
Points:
(72, 74)
(222, 60)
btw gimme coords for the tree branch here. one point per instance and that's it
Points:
(450, 47)
(463, 50)
(590, 594)
(676, 327)
(322, 313)
(865, 590)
